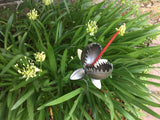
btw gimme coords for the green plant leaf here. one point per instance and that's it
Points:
(9, 99)
(2, 59)
(22, 99)
(62, 98)
(30, 108)
(110, 105)
(57, 33)
(87, 116)
(38, 34)
(24, 83)
(9, 24)
(10, 64)
(41, 115)
(66, 5)
(21, 45)
(63, 62)
(52, 60)
(74, 107)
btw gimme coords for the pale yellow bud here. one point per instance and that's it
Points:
(122, 29)
(32, 14)
(16, 65)
(40, 57)
(91, 27)
(47, 2)
(29, 70)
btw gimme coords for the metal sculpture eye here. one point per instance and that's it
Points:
(100, 70)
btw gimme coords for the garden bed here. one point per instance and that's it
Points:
(39, 57)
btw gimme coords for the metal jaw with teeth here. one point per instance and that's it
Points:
(100, 70)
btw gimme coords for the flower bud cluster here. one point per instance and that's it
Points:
(122, 29)
(91, 27)
(32, 14)
(27, 68)
(40, 57)
(47, 2)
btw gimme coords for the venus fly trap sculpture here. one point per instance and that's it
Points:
(95, 67)
(100, 70)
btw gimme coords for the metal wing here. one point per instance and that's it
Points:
(79, 52)
(78, 74)
(96, 83)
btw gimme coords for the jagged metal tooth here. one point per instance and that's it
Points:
(105, 61)
(97, 70)
(94, 70)
(106, 71)
(87, 54)
(100, 63)
(95, 65)
(90, 69)
(85, 59)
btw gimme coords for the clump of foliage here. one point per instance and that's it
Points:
(56, 33)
